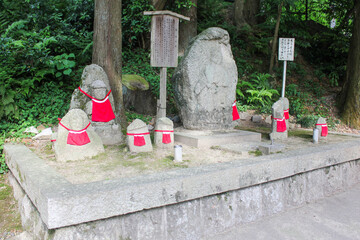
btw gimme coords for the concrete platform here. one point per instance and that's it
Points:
(186, 204)
(197, 138)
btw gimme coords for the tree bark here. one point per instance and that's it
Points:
(245, 12)
(187, 30)
(159, 4)
(351, 90)
(107, 49)
(274, 42)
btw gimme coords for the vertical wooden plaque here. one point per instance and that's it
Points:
(164, 41)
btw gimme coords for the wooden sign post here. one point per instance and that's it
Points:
(164, 47)
(286, 53)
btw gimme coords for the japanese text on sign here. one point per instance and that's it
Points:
(286, 49)
(164, 41)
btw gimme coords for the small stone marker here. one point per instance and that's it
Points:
(164, 133)
(138, 137)
(76, 139)
(279, 127)
(322, 127)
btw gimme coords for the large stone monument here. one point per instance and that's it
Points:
(76, 138)
(205, 82)
(95, 85)
(164, 133)
(138, 137)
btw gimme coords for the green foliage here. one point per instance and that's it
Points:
(308, 121)
(131, 116)
(211, 13)
(46, 41)
(135, 24)
(256, 92)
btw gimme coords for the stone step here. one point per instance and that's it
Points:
(196, 138)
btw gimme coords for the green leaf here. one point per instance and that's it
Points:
(58, 74)
(67, 71)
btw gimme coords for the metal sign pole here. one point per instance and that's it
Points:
(283, 82)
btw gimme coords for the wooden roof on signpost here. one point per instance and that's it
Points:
(166, 12)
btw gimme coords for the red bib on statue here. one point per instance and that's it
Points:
(286, 114)
(101, 109)
(77, 137)
(324, 129)
(235, 113)
(166, 137)
(280, 124)
(139, 139)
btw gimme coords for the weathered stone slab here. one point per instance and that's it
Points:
(76, 119)
(205, 82)
(164, 133)
(138, 137)
(215, 138)
(95, 82)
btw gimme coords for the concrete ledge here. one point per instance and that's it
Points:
(61, 203)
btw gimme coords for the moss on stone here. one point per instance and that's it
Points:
(135, 82)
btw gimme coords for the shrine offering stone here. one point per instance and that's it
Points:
(138, 137)
(164, 133)
(76, 119)
(322, 127)
(95, 82)
(205, 82)
(278, 126)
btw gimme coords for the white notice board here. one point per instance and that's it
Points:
(286, 49)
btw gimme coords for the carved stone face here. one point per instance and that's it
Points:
(98, 89)
(99, 93)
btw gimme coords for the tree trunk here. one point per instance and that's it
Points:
(245, 12)
(159, 4)
(187, 30)
(274, 42)
(351, 90)
(107, 49)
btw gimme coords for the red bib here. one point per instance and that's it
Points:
(286, 114)
(235, 113)
(77, 137)
(101, 109)
(324, 129)
(280, 124)
(166, 137)
(139, 139)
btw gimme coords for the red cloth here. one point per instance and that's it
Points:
(280, 124)
(166, 137)
(324, 129)
(101, 109)
(235, 113)
(286, 114)
(77, 137)
(139, 139)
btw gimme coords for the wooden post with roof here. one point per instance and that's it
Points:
(164, 48)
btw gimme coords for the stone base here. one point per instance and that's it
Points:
(214, 138)
(192, 203)
(271, 148)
